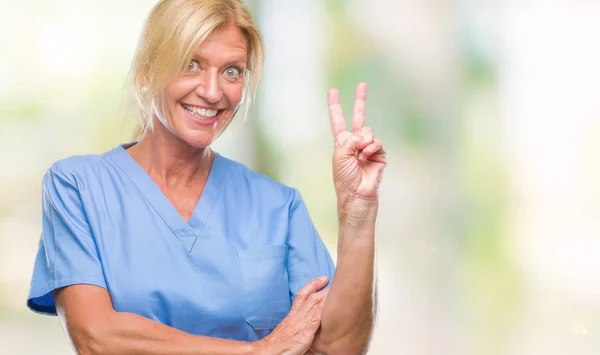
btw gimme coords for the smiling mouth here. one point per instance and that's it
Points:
(201, 113)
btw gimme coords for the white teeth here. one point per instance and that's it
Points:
(200, 113)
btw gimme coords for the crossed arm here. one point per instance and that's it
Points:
(94, 327)
(344, 313)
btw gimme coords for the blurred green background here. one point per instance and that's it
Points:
(489, 225)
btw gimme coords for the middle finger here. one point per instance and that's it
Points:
(358, 112)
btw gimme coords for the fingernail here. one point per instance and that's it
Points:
(323, 278)
(361, 156)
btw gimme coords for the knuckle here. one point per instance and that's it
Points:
(316, 318)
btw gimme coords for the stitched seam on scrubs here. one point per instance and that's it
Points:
(53, 271)
(54, 212)
(51, 212)
(75, 186)
(143, 195)
(52, 284)
(220, 192)
(296, 201)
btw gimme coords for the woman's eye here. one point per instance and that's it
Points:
(193, 65)
(232, 72)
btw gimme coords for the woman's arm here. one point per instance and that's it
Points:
(358, 163)
(349, 311)
(95, 328)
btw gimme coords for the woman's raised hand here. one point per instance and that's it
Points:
(358, 158)
(295, 334)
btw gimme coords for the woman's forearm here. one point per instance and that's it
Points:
(348, 314)
(131, 334)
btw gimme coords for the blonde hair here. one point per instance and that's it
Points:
(173, 31)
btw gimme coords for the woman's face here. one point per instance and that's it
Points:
(201, 102)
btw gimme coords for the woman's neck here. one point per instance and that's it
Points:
(169, 160)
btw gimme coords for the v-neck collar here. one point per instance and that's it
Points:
(187, 232)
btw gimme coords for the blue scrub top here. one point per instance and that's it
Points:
(230, 272)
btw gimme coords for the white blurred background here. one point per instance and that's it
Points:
(489, 227)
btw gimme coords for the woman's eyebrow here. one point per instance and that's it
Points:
(240, 61)
(236, 60)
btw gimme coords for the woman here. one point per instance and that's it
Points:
(165, 247)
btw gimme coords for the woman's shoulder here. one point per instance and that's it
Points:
(244, 178)
(77, 167)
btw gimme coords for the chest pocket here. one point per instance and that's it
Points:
(266, 285)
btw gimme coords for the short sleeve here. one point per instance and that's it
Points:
(308, 257)
(67, 252)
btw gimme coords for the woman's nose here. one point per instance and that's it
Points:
(209, 89)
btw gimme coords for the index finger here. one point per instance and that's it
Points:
(358, 112)
(336, 116)
(311, 287)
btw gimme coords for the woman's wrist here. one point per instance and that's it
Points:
(264, 346)
(259, 347)
(357, 210)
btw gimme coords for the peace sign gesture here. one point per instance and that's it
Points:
(358, 158)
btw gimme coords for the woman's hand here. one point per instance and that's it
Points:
(358, 158)
(295, 334)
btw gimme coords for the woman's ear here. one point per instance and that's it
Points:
(144, 77)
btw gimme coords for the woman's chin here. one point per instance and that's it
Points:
(199, 139)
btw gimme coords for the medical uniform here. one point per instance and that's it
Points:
(230, 272)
